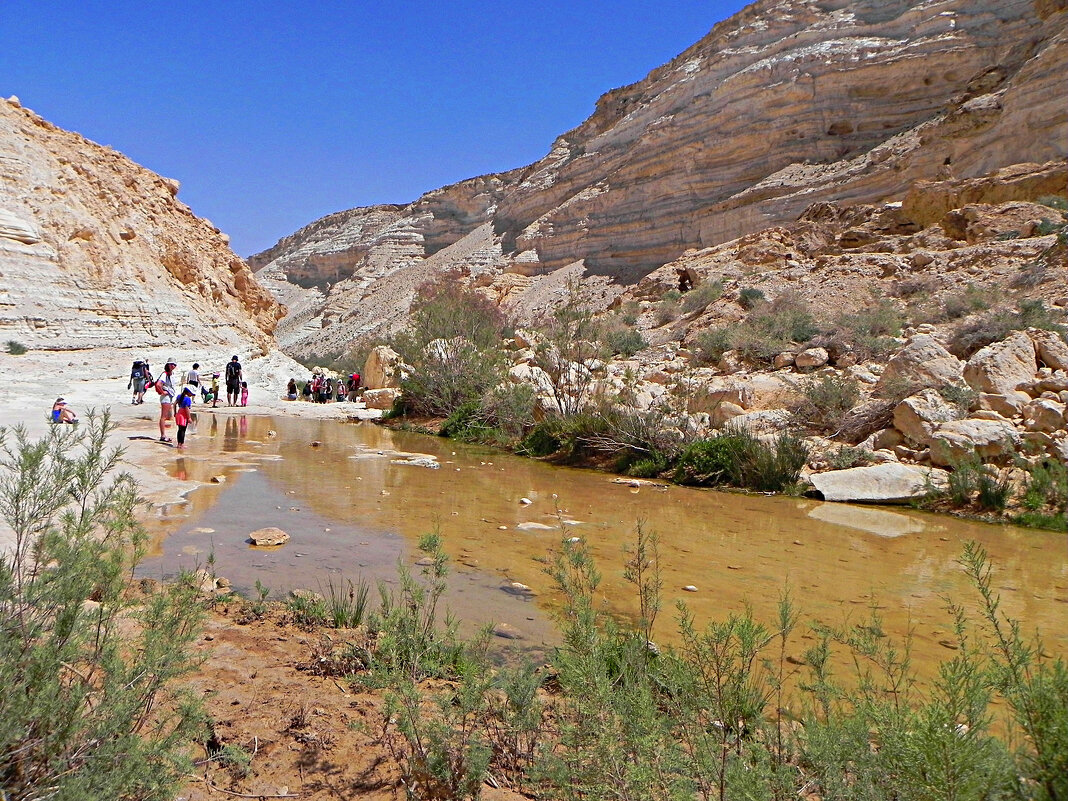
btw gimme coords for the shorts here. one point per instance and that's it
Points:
(139, 386)
(233, 387)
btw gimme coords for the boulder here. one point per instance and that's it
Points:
(382, 368)
(957, 440)
(380, 398)
(725, 412)
(268, 536)
(1050, 348)
(891, 482)
(1006, 405)
(1044, 415)
(784, 359)
(917, 416)
(923, 362)
(811, 358)
(1002, 366)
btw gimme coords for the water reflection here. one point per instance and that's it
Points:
(352, 509)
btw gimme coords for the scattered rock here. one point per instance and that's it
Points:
(1003, 366)
(520, 590)
(380, 398)
(690, 588)
(507, 632)
(811, 358)
(956, 440)
(268, 537)
(923, 362)
(917, 416)
(218, 479)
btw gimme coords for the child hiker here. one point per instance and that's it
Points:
(183, 415)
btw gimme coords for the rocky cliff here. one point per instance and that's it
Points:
(96, 250)
(788, 103)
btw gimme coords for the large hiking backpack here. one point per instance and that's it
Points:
(138, 371)
(231, 371)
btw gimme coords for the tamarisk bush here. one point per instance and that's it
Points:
(88, 709)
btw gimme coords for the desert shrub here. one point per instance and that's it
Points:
(648, 467)
(848, 456)
(570, 352)
(624, 341)
(749, 298)
(742, 460)
(453, 345)
(307, 609)
(961, 396)
(1054, 202)
(971, 335)
(869, 332)
(917, 285)
(774, 327)
(706, 462)
(16, 348)
(710, 345)
(825, 400)
(971, 299)
(667, 310)
(89, 708)
(702, 295)
(1045, 496)
(541, 441)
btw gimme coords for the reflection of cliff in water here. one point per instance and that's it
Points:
(350, 507)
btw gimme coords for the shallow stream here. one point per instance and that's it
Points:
(353, 510)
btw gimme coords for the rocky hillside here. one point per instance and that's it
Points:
(96, 250)
(786, 104)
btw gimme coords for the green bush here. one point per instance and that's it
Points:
(749, 298)
(702, 295)
(870, 332)
(973, 298)
(706, 462)
(774, 327)
(90, 708)
(16, 348)
(712, 344)
(742, 460)
(825, 400)
(624, 341)
(994, 326)
(541, 441)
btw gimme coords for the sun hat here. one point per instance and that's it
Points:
(170, 361)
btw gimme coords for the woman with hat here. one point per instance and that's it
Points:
(61, 413)
(165, 389)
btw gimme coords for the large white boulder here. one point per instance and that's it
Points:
(1050, 348)
(923, 362)
(917, 416)
(891, 482)
(1002, 366)
(957, 440)
(380, 398)
(1044, 415)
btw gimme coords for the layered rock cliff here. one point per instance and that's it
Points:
(97, 250)
(788, 103)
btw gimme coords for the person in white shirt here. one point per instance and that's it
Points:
(165, 388)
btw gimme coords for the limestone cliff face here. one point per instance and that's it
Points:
(96, 250)
(787, 103)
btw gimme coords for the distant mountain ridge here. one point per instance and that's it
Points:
(787, 103)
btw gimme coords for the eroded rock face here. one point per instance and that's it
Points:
(96, 250)
(784, 106)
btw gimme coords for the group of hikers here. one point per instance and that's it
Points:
(176, 404)
(321, 388)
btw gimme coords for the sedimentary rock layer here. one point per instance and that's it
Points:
(95, 249)
(787, 103)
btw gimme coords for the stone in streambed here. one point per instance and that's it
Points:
(884, 483)
(268, 537)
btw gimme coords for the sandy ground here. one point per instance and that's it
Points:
(30, 383)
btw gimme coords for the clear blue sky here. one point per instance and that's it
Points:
(272, 114)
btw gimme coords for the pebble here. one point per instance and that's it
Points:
(507, 632)
(525, 501)
(574, 539)
(690, 588)
(502, 528)
(218, 479)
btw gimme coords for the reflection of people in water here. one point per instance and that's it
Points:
(230, 435)
(180, 472)
(242, 425)
(214, 426)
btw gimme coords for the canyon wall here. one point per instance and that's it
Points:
(97, 250)
(788, 103)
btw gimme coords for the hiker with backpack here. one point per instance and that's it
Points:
(233, 381)
(165, 389)
(139, 378)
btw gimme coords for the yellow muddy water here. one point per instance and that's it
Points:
(353, 510)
